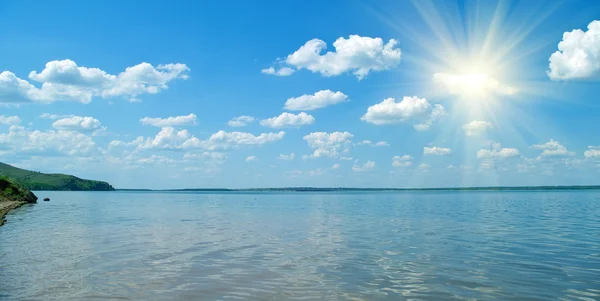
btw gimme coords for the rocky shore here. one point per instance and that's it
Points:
(13, 196)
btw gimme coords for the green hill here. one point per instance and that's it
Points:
(40, 181)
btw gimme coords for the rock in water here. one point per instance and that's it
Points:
(30, 197)
(46, 199)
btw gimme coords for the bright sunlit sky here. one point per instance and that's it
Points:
(157, 94)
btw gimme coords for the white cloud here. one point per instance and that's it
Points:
(167, 138)
(335, 166)
(477, 127)
(306, 173)
(370, 143)
(552, 148)
(472, 85)
(496, 151)
(9, 120)
(16, 90)
(155, 160)
(135, 143)
(170, 138)
(228, 140)
(410, 108)
(361, 55)
(48, 143)
(54, 116)
(592, 152)
(215, 156)
(437, 151)
(77, 123)
(321, 99)
(209, 162)
(240, 121)
(64, 80)
(285, 71)
(288, 120)
(369, 165)
(402, 161)
(327, 144)
(578, 55)
(287, 157)
(424, 167)
(170, 121)
(251, 159)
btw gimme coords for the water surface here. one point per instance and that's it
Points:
(303, 246)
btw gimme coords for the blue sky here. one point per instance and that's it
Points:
(333, 93)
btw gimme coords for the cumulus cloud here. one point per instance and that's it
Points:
(369, 165)
(592, 152)
(497, 151)
(321, 99)
(204, 155)
(251, 159)
(419, 110)
(477, 127)
(171, 139)
(229, 140)
(240, 121)
(47, 143)
(55, 116)
(285, 71)
(402, 161)
(15, 90)
(287, 157)
(155, 160)
(288, 120)
(472, 85)
(578, 55)
(117, 143)
(170, 121)
(65, 80)
(77, 123)
(9, 120)
(370, 143)
(207, 162)
(364, 142)
(552, 148)
(167, 138)
(437, 151)
(424, 167)
(328, 144)
(356, 54)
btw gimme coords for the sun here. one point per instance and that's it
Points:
(472, 85)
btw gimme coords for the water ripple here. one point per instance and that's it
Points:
(377, 246)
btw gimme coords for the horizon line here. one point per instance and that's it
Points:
(311, 188)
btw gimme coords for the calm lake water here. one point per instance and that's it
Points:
(303, 246)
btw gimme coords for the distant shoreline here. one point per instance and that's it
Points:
(348, 189)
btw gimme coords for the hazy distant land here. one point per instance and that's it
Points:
(351, 189)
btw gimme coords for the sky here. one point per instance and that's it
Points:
(240, 94)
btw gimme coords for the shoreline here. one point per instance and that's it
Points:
(13, 196)
(6, 207)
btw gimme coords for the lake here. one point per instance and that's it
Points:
(303, 246)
